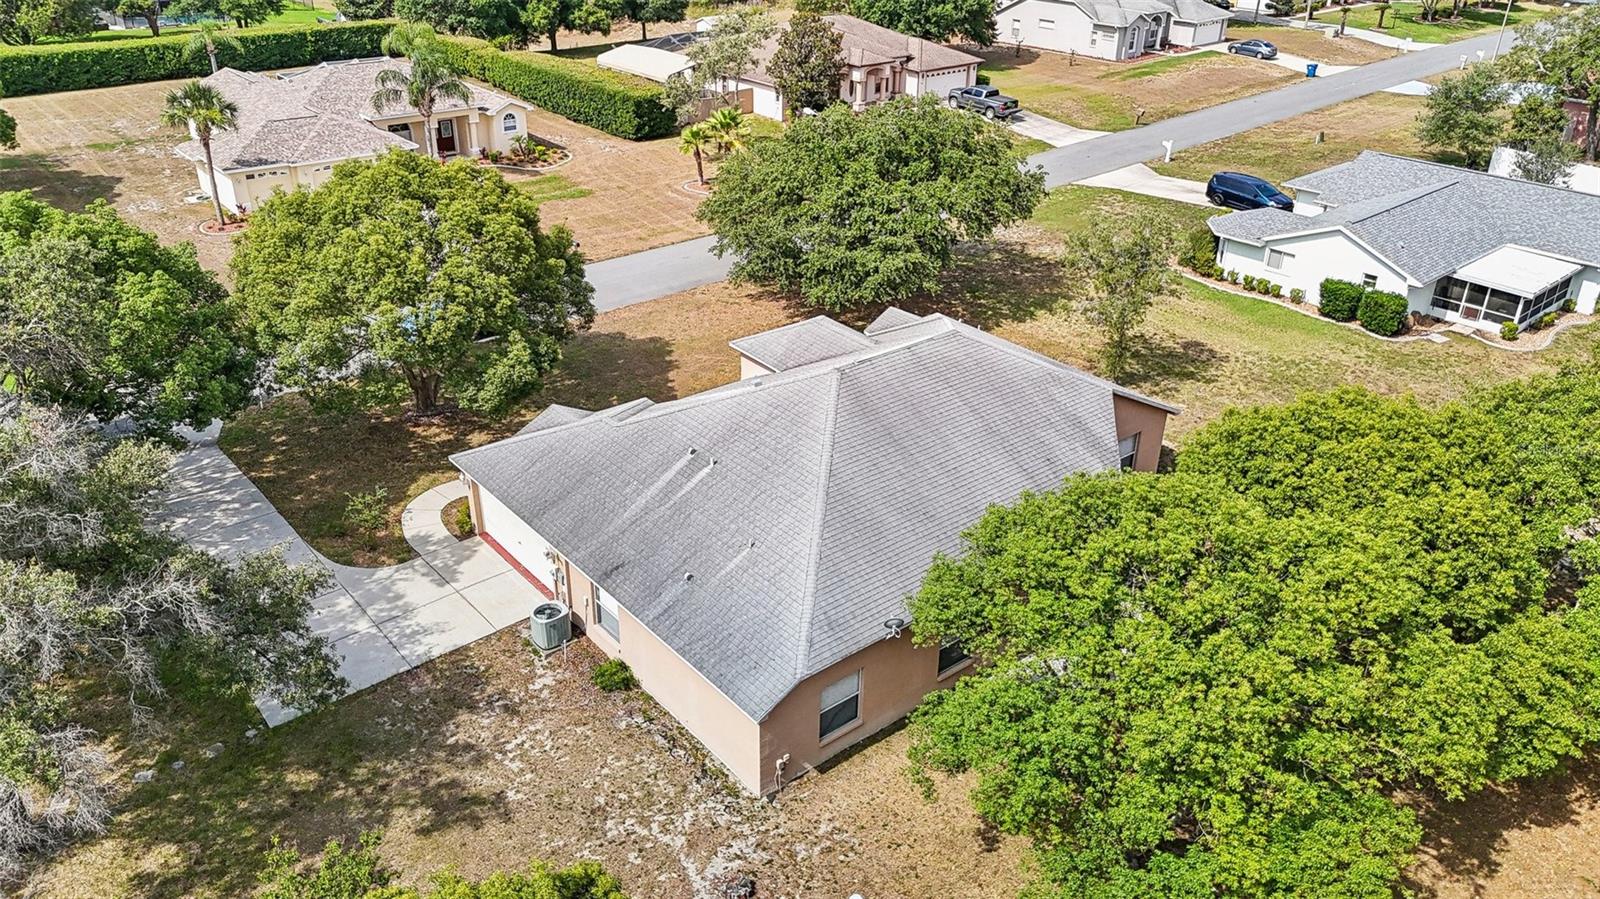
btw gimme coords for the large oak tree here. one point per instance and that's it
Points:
(437, 275)
(1217, 681)
(847, 208)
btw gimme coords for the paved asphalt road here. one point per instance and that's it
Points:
(656, 273)
(1124, 148)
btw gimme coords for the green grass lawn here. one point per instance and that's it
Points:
(1402, 20)
(1160, 66)
(546, 188)
(294, 13)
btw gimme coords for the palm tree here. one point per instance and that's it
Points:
(729, 130)
(695, 140)
(204, 111)
(431, 77)
(207, 37)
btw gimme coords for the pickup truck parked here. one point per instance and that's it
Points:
(985, 99)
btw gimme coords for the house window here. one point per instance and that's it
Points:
(402, 129)
(951, 656)
(1128, 451)
(508, 123)
(605, 611)
(1047, 24)
(1094, 38)
(841, 705)
(1370, 282)
(1277, 259)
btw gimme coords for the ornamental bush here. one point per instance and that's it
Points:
(1340, 300)
(1508, 330)
(1199, 251)
(1382, 312)
(613, 676)
(46, 68)
(1297, 296)
(615, 103)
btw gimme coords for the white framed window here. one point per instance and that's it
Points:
(605, 611)
(1128, 451)
(951, 657)
(1370, 282)
(1094, 37)
(1047, 24)
(508, 122)
(402, 128)
(1277, 259)
(841, 705)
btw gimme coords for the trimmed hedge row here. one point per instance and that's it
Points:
(1340, 300)
(47, 68)
(1383, 312)
(617, 104)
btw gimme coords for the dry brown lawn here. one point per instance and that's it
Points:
(107, 144)
(1113, 96)
(1290, 148)
(487, 758)
(86, 145)
(1317, 46)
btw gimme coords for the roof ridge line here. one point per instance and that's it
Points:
(808, 596)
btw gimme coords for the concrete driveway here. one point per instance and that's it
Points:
(1141, 179)
(1057, 134)
(381, 621)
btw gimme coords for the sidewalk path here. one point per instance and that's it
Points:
(382, 621)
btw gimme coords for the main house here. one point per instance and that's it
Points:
(1110, 29)
(1461, 245)
(294, 127)
(749, 550)
(877, 64)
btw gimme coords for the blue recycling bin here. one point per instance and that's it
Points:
(1311, 70)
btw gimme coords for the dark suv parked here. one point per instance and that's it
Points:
(1241, 191)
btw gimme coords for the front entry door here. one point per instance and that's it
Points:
(447, 137)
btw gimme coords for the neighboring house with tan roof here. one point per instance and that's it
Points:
(1110, 29)
(1460, 245)
(294, 127)
(749, 550)
(879, 64)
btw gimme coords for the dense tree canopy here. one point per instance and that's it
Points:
(436, 275)
(648, 12)
(1564, 52)
(1213, 682)
(808, 63)
(88, 592)
(1465, 113)
(478, 18)
(28, 21)
(98, 315)
(548, 18)
(852, 208)
(932, 20)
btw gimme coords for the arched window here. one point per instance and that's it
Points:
(508, 123)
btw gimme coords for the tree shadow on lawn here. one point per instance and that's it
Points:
(1003, 57)
(1470, 838)
(990, 283)
(378, 759)
(1160, 364)
(54, 182)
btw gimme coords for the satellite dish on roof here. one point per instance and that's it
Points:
(894, 626)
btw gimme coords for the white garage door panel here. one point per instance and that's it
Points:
(522, 542)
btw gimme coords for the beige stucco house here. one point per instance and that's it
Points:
(294, 127)
(749, 550)
(878, 64)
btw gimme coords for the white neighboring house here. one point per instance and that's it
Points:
(1109, 29)
(293, 128)
(1459, 244)
(1580, 177)
(880, 64)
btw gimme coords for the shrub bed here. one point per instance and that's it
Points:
(47, 68)
(1340, 300)
(612, 102)
(1382, 312)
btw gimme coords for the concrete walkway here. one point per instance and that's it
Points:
(381, 621)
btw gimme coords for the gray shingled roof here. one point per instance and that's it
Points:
(766, 529)
(1430, 219)
(554, 415)
(893, 317)
(801, 343)
(866, 44)
(319, 114)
